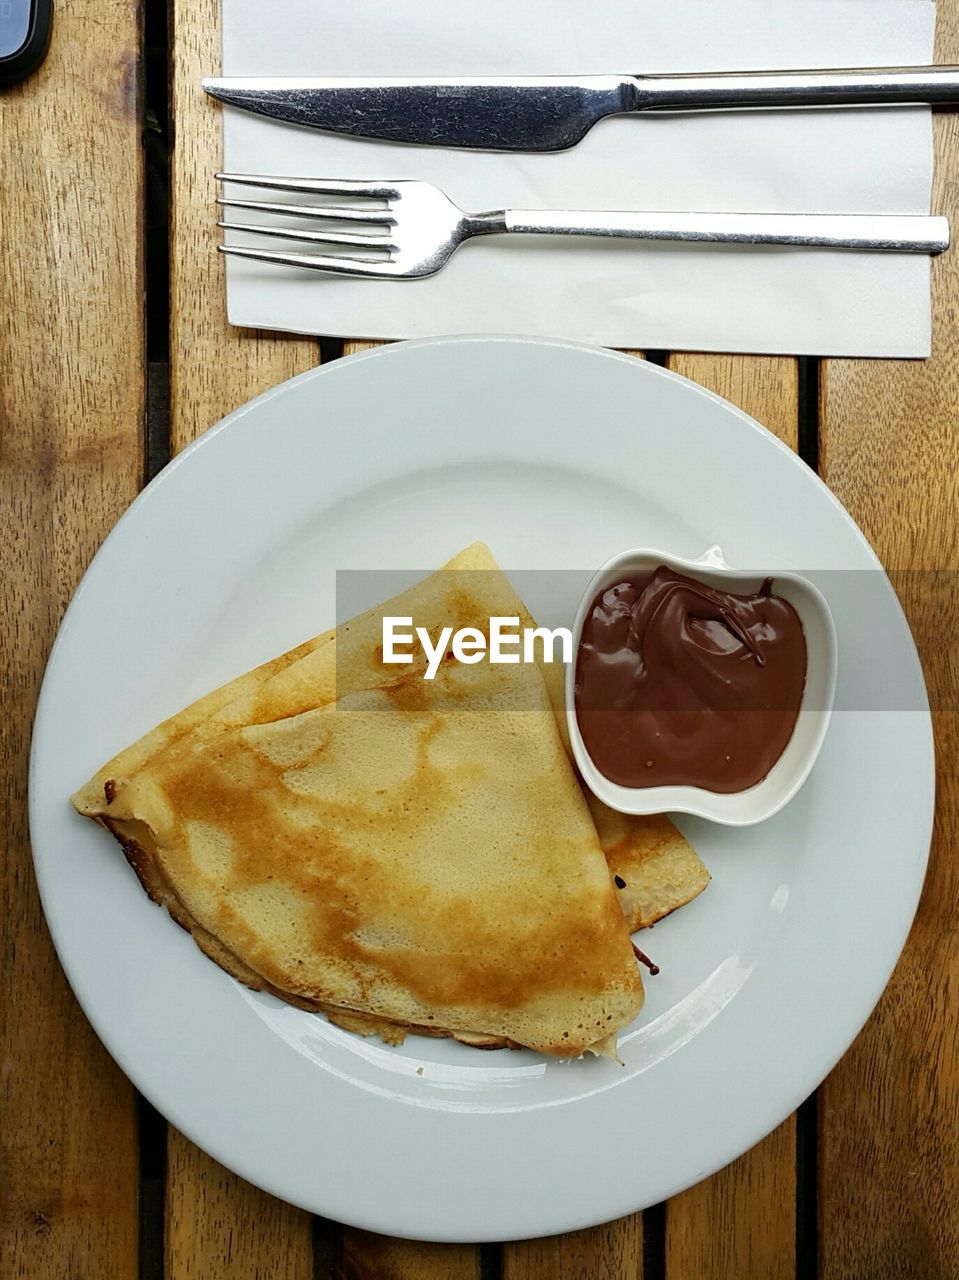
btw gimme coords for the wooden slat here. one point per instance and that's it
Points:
(222, 1228)
(353, 346)
(742, 1221)
(766, 387)
(889, 1113)
(217, 1225)
(72, 393)
(213, 367)
(366, 1256)
(613, 1251)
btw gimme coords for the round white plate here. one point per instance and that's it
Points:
(557, 456)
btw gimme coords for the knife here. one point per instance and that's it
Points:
(549, 113)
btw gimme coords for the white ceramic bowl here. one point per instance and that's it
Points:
(738, 808)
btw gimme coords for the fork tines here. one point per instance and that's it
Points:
(363, 232)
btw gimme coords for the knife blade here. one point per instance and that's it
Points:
(550, 113)
(533, 113)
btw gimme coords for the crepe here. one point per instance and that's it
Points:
(656, 869)
(416, 854)
(336, 889)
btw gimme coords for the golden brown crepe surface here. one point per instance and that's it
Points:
(417, 851)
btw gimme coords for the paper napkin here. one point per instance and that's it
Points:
(624, 294)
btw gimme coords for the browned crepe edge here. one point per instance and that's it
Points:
(669, 849)
(159, 891)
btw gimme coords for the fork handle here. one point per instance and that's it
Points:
(854, 87)
(886, 233)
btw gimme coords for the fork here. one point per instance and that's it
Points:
(417, 228)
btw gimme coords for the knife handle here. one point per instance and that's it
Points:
(882, 232)
(859, 86)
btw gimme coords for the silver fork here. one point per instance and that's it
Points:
(417, 228)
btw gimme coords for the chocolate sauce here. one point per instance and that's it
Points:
(643, 958)
(680, 683)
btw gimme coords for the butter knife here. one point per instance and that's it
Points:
(549, 113)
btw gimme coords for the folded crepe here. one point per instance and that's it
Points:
(400, 853)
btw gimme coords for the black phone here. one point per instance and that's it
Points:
(25, 27)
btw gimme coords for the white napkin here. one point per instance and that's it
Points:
(621, 294)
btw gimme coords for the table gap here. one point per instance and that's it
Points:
(808, 436)
(327, 1241)
(807, 1210)
(158, 417)
(156, 146)
(330, 349)
(151, 1125)
(654, 1237)
(156, 217)
(491, 1262)
(151, 1128)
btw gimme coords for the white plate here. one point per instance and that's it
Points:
(557, 455)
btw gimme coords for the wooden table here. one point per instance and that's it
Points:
(96, 390)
